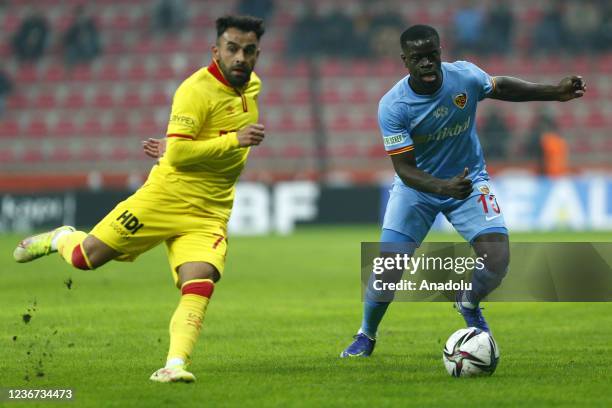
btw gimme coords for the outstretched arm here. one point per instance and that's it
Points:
(517, 90)
(459, 187)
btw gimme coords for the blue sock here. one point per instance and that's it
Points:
(373, 313)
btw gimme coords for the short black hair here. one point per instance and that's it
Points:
(243, 23)
(419, 32)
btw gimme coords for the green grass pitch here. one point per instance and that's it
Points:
(279, 318)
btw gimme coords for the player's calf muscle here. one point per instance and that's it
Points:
(98, 252)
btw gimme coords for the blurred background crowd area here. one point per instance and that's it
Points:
(82, 82)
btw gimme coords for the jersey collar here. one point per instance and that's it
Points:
(215, 71)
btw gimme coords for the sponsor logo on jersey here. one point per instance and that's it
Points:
(441, 112)
(394, 140)
(130, 222)
(183, 120)
(444, 133)
(460, 100)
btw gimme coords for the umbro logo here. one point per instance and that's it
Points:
(440, 112)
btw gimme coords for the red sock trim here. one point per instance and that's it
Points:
(78, 258)
(201, 288)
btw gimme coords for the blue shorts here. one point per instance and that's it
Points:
(411, 212)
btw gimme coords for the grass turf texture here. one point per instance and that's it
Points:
(285, 309)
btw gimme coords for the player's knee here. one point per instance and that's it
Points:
(498, 260)
(197, 270)
(495, 249)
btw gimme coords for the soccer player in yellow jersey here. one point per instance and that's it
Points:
(188, 196)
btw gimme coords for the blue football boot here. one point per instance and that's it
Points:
(362, 346)
(473, 317)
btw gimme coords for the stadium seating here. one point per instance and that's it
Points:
(124, 96)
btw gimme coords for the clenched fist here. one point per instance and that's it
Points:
(252, 135)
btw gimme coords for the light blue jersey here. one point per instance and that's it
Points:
(440, 128)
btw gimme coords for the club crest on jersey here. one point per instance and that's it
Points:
(460, 100)
(484, 189)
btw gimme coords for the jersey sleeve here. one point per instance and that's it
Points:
(484, 82)
(188, 113)
(396, 136)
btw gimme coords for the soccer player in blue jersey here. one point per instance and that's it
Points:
(428, 125)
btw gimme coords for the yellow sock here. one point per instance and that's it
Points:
(70, 248)
(187, 320)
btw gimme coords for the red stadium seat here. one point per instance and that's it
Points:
(293, 151)
(159, 97)
(88, 154)
(376, 151)
(61, 154)
(81, 73)
(131, 99)
(596, 119)
(103, 99)
(164, 71)
(340, 123)
(33, 155)
(120, 154)
(137, 72)
(37, 128)
(54, 73)
(17, 101)
(331, 95)
(92, 127)
(7, 156)
(9, 129)
(65, 127)
(26, 73)
(74, 100)
(147, 127)
(120, 127)
(109, 72)
(44, 100)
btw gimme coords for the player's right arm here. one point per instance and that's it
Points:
(190, 108)
(251, 135)
(459, 187)
(400, 147)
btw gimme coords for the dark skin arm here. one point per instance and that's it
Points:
(506, 89)
(458, 187)
(517, 90)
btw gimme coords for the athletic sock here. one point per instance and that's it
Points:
(373, 313)
(186, 322)
(57, 237)
(70, 248)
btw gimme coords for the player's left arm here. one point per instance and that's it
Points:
(506, 88)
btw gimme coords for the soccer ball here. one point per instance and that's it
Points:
(470, 352)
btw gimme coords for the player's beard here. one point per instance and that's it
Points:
(237, 81)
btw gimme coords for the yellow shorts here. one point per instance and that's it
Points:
(152, 216)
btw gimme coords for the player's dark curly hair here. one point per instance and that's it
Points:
(243, 23)
(419, 32)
